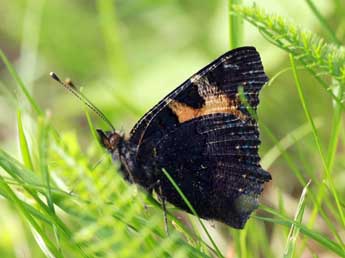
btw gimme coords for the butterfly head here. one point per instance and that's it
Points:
(109, 140)
(121, 151)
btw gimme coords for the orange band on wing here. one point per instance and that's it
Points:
(213, 104)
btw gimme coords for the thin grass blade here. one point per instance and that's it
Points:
(24, 148)
(294, 231)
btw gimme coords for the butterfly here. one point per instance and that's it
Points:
(205, 135)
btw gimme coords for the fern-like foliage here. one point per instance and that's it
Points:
(78, 206)
(319, 57)
(84, 208)
(110, 217)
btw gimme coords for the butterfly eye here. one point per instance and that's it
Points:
(114, 140)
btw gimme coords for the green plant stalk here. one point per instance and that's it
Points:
(318, 206)
(26, 214)
(122, 99)
(56, 193)
(243, 243)
(317, 141)
(9, 95)
(281, 204)
(25, 178)
(190, 207)
(302, 181)
(335, 137)
(34, 212)
(294, 231)
(24, 148)
(20, 83)
(285, 143)
(235, 26)
(258, 235)
(92, 128)
(336, 125)
(323, 22)
(318, 57)
(332, 148)
(114, 45)
(236, 241)
(278, 74)
(43, 157)
(278, 146)
(30, 40)
(285, 155)
(338, 4)
(342, 133)
(318, 237)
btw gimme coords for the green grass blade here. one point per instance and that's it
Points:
(43, 158)
(298, 173)
(24, 149)
(243, 243)
(317, 140)
(281, 72)
(235, 25)
(294, 231)
(92, 128)
(33, 211)
(295, 169)
(20, 83)
(114, 46)
(17, 171)
(323, 22)
(286, 142)
(336, 125)
(332, 148)
(323, 240)
(26, 179)
(46, 245)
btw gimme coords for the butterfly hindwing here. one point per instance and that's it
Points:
(214, 160)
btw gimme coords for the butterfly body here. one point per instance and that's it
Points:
(205, 137)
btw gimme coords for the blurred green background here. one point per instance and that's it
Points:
(129, 54)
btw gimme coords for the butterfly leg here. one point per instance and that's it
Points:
(150, 189)
(163, 202)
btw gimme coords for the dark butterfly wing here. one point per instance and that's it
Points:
(215, 162)
(238, 67)
(205, 137)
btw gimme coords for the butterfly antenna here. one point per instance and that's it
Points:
(69, 85)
